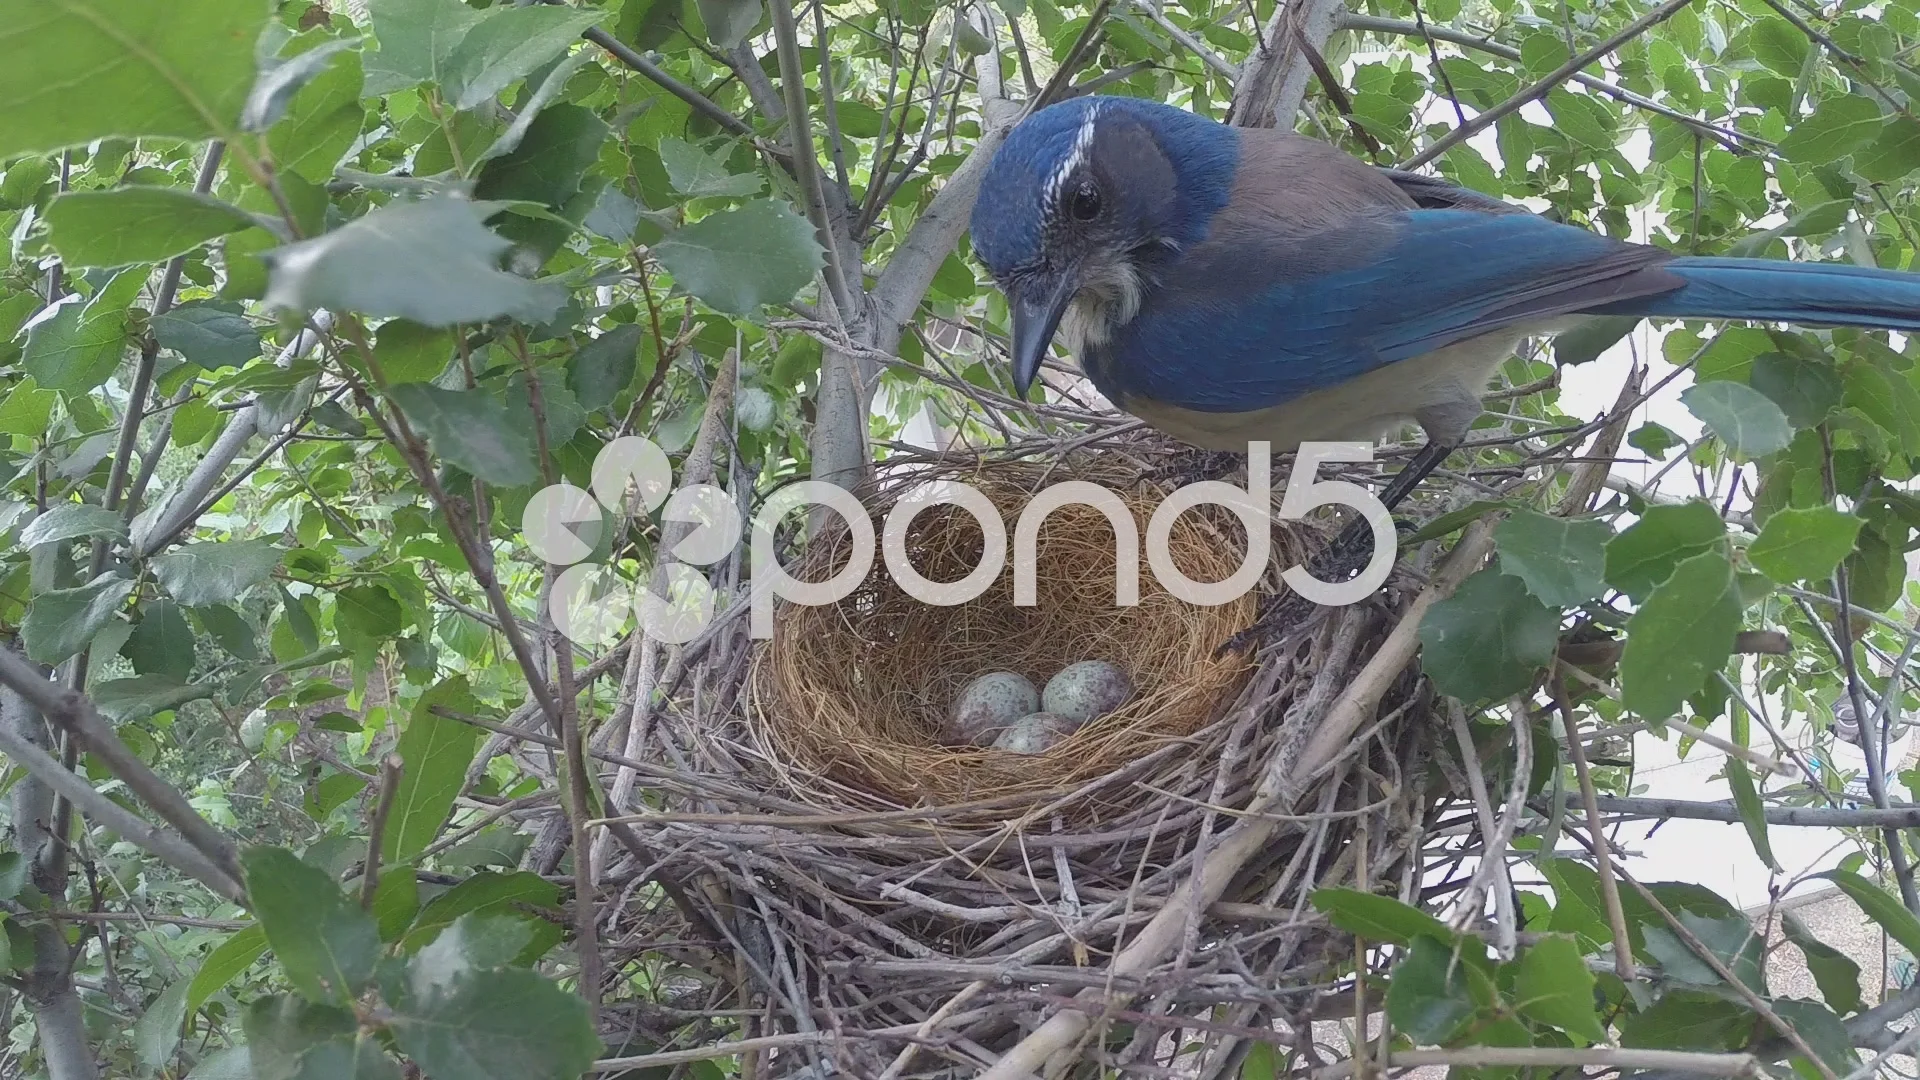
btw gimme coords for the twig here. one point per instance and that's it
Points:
(1602, 859)
(1814, 816)
(806, 167)
(1730, 138)
(1187, 41)
(1539, 89)
(76, 714)
(389, 787)
(168, 847)
(1550, 1057)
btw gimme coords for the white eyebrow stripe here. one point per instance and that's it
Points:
(1076, 157)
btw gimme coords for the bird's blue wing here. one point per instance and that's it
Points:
(1249, 319)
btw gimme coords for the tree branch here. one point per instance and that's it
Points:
(220, 865)
(1730, 138)
(806, 166)
(1539, 89)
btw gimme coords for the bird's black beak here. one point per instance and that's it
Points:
(1037, 308)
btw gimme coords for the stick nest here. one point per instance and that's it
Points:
(879, 905)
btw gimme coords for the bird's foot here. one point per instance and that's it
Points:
(1339, 561)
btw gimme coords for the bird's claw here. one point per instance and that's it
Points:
(1346, 556)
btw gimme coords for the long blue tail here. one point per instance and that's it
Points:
(1775, 290)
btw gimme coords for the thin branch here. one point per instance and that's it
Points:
(390, 767)
(1551, 1057)
(806, 167)
(1731, 138)
(77, 715)
(1539, 89)
(168, 847)
(1187, 41)
(1812, 816)
(1602, 859)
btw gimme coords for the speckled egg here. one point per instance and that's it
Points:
(1035, 733)
(988, 705)
(1086, 690)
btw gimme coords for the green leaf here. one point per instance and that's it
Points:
(211, 333)
(1681, 635)
(137, 224)
(1562, 562)
(431, 261)
(225, 963)
(1779, 45)
(78, 346)
(1688, 1020)
(27, 409)
(470, 429)
(1378, 918)
(162, 642)
(509, 44)
(550, 161)
(198, 575)
(282, 1028)
(126, 700)
(1744, 418)
(1886, 912)
(368, 611)
(417, 37)
(324, 118)
(509, 1024)
(1553, 986)
(70, 521)
(325, 944)
(1752, 812)
(1833, 971)
(1488, 638)
(1893, 154)
(728, 22)
(434, 751)
(1431, 996)
(738, 260)
(697, 174)
(604, 366)
(1822, 1031)
(13, 875)
(484, 891)
(1645, 553)
(230, 630)
(1804, 544)
(1591, 338)
(61, 622)
(1805, 391)
(1732, 940)
(158, 1033)
(410, 353)
(1838, 127)
(176, 70)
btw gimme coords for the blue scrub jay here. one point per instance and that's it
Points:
(1232, 284)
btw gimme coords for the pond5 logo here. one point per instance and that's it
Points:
(590, 602)
(702, 525)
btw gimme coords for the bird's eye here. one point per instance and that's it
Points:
(1086, 202)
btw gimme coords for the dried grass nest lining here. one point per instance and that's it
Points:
(855, 692)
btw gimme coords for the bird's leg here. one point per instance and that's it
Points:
(1350, 551)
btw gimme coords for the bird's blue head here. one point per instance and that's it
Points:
(1081, 204)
